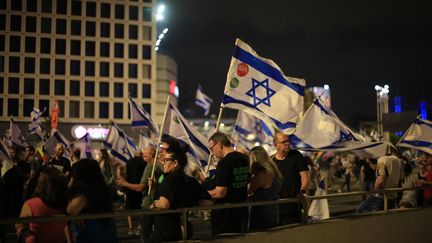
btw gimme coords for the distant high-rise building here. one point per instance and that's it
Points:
(88, 54)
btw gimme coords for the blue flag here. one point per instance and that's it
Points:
(259, 87)
(141, 118)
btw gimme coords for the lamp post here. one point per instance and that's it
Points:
(382, 107)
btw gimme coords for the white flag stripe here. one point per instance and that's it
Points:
(321, 130)
(85, 147)
(258, 86)
(51, 143)
(141, 118)
(248, 125)
(418, 136)
(203, 100)
(122, 147)
(16, 136)
(178, 127)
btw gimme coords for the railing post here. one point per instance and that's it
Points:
(385, 202)
(184, 223)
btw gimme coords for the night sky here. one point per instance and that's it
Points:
(349, 45)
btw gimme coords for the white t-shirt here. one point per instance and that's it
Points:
(392, 176)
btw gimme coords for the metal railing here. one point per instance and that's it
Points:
(184, 211)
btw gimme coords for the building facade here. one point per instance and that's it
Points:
(87, 54)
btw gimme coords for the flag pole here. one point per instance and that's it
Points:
(217, 129)
(159, 141)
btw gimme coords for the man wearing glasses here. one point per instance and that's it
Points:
(293, 166)
(231, 179)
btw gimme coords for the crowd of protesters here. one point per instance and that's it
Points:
(32, 185)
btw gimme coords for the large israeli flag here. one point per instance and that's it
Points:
(321, 130)
(35, 126)
(250, 128)
(16, 135)
(84, 145)
(258, 86)
(5, 159)
(418, 136)
(122, 147)
(178, 127)
(51, 143)
(203, 100)
(141, 118)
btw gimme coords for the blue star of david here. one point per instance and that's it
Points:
(269, 92)
(258, 127)
(345, 137)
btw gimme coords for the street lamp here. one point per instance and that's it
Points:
(382, 107)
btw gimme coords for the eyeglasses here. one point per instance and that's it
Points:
(211, 147)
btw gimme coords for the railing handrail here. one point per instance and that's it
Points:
(184, 211)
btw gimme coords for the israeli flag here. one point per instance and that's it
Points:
(5, 159)
(145, 141)
(122, 146)
(250, 128)
(35, 126)
(203, 100)
(418, 136)
(84, 145)
(259, 87)
(51, 143)
(16, 136)
(178, 127)
(141, 118)
(321, 129)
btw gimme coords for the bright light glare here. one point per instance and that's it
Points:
(161, 8)
(156, 48)
(161, 36)
(165, 30)
(326, 87)
(159, 17)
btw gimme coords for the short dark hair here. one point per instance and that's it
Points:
(221, 138)
(178, 154)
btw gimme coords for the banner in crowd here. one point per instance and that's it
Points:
(178, 127)
(121, 145)
(56, 138)
(418, 136)
(258, 86)
(141, 118)
(35, 126)
(16, 136)
(249, 128)
(203, 101)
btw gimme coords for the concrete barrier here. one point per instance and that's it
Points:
(392, 227)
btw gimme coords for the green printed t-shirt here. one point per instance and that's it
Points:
(148, 199)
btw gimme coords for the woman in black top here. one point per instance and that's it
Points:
(176, 191)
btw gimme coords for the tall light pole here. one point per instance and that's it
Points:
(382, 107)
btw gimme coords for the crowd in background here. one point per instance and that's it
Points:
(33, 185)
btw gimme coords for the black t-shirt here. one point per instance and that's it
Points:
(62, 164)
(134, 171)
(290, 167)
(232, 172)
(181, 191)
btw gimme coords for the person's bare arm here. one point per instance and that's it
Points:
(25, 212)
(121, 181)
(219, 192)
(76, 205)
(304, 176)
